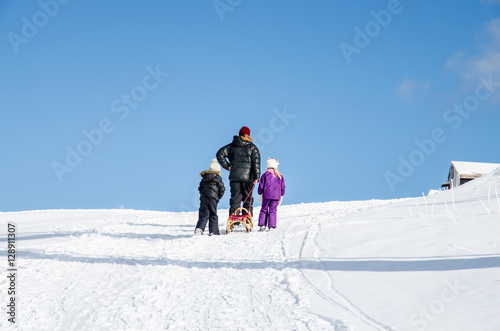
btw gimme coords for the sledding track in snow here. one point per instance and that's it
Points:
(331, 294)
(333, 301)
(130, 270)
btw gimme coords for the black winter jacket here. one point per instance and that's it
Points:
(244, 159)
(211, 185)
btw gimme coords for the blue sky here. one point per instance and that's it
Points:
(109, 104)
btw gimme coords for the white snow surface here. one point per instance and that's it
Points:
(427, 263)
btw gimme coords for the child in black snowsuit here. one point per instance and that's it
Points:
(211, 191)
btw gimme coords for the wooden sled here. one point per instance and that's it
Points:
(236, 218)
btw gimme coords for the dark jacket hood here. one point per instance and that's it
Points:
(238, 142)
(209, 174)
(211, 185)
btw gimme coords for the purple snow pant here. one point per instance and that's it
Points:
(269, 207)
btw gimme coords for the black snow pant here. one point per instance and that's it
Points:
(239, 191)
(208, 213)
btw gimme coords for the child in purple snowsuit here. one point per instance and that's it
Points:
(271, 191)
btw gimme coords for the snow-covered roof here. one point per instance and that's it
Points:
(474, 168)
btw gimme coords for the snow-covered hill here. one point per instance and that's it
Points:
(428, 263)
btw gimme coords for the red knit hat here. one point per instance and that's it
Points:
(244, 131)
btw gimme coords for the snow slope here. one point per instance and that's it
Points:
(428, 263)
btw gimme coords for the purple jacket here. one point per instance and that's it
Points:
(271, 187)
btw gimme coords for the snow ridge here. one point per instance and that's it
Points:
(427, 263)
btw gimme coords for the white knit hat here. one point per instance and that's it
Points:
(272, 163)
(214, 166)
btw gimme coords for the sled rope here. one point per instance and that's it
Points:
(249, 194)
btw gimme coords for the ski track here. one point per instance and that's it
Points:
(338, 298)
(335, 297)
(333, 322)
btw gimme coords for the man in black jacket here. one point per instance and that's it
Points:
(242, 159)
